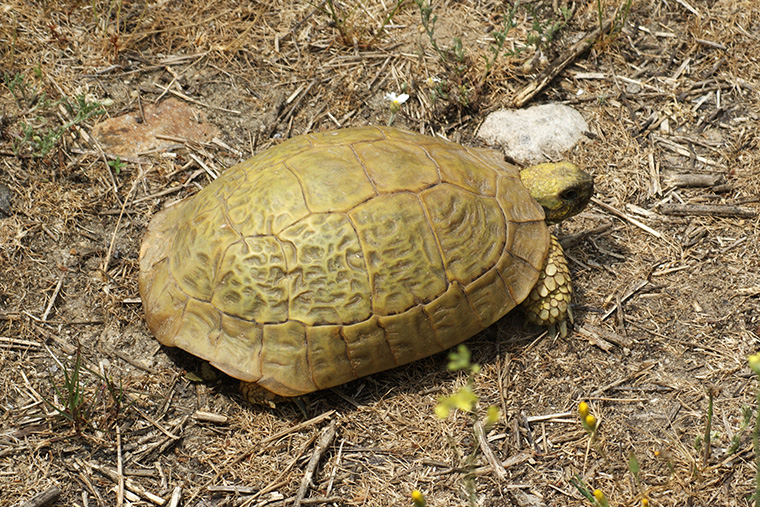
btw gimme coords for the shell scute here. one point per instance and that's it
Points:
(452, 317)
(403, 260)
(252, 281)
(335, 181)
(395, 166)
(267, 202)
(328, 356)
(410, 335)
(462, 219)
(284, 359)
(238, 349)
(460, 167)
(197, 248)
(346, 137)
(328, 279)
(489, 297)
(199, 329)
(367, 347)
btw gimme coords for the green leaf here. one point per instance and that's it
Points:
(464, 399)
(441, 411)
(633, 464)
(492, 416)
(459, 359)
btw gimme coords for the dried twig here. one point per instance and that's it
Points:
(197, 102)
(625, 217)
(47, 497)
(319, 450)
(53, 298)
(176, 497)
(201, 415)
(694, 180)
(558, 65)
(528, 433)
(630, 292)
(129, 484)
(119, 470)
(131, 360)
(645, 368)
(558, 417)
(602, 338)
(714, 210)
(298, 427)
(480, 434)
(107, 259)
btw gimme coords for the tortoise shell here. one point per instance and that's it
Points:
(340, 254)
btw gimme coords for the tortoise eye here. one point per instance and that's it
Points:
(569, 195)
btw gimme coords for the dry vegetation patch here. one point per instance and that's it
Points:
(666, 262)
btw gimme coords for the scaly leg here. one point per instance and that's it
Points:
(548, 304)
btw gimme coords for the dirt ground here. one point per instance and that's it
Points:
(666, 262)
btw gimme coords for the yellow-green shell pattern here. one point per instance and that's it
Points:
(340, 254)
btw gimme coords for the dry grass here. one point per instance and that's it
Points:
(675, 93)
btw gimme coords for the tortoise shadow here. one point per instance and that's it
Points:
(427, 376)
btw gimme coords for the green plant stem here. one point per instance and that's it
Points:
(600, 15)
(428, 23)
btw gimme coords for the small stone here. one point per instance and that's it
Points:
(126, 137)
(6, 195)
(535, 134)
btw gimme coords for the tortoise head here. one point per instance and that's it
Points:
(562, 189)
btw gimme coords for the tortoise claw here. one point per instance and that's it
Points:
(560, 326)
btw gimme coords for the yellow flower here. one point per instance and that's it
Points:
(754, 363)
(590, 422)
(583, 409)
(599, 496)
(418, 498)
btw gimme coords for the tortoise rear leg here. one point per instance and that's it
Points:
(548, 304)
(257, 396)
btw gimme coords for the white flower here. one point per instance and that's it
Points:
(432, 81)
(396, 100)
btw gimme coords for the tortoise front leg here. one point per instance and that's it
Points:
(548, 304)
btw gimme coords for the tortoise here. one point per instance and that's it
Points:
(336, 255)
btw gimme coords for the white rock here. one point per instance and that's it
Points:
(534, 135)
